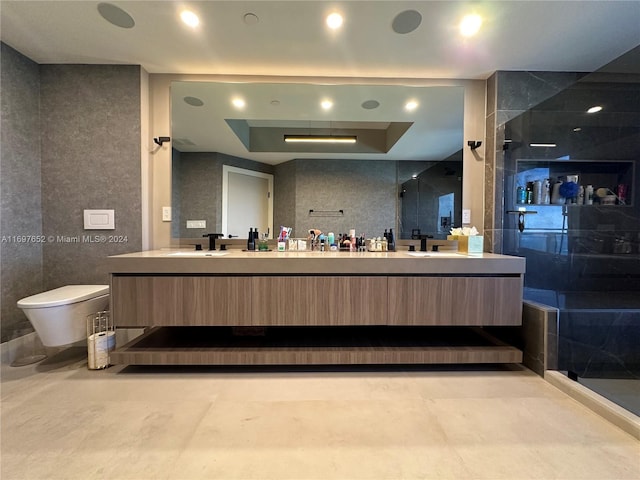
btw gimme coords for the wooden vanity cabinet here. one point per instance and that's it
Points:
(460, 301)
(189, 301)
(323, 300)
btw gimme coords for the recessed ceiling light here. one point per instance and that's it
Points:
(470, 25)
(115, 15)
(594, 109)
(411, 105)
(406, 22)
(577, 129)
(238, 102)
(326, 104)
(334, 21)
(190, 18)
(193, 101)
(370, 104)
(414, 176)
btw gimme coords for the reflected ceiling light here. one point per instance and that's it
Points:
(238, 103)
(411, 105)
(334, 21)
(320, 138)
(543, 145)
(470, 25)
(326, 104)
(594, 109)
(577, 129)
(190, 18)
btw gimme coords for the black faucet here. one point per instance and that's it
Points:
(416, 235)
(212, 239)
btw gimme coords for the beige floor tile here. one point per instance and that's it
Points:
(62, 421)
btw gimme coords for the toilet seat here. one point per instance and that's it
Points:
(63, 296)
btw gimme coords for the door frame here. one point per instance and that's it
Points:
(226, 170)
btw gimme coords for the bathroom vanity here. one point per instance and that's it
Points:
(235, 307)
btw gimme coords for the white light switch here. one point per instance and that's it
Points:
(196, 224)
(166, 214)
(466, 216)
(99, 220)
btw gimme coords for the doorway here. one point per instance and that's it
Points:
(247, 202)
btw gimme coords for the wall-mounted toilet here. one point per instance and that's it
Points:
(59, 316)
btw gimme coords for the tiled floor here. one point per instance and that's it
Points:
(60, 420)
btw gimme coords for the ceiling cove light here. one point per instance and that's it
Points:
(334, 21)
(594, 109)
(411, 105)
(238, 102)
(189, 18)
(470, 25)
(320, 138)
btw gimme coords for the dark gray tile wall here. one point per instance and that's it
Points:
(200, 189)
(90, 134)
(284, 201)
(21, 208)
(509, 95)
(70, 141)
(366, 191)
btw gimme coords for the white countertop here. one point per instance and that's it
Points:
(236, 261)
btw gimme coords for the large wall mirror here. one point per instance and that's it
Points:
(367, 157)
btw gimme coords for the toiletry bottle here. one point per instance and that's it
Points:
(251, 244)
(392, 241)
(546, 192)
(521, 195)
(581, 195)
(537, 192)
(385, 244)
(588, 195)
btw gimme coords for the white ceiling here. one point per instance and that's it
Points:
(290, 39)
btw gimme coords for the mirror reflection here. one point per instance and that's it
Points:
(404, 170)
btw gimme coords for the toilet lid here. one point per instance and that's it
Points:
(63, 296)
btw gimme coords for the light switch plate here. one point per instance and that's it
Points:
(99, 220)
(466, 216)
(166, 214)
(196, 224)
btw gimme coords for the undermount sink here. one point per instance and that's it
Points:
(195, 253)
(434, 254)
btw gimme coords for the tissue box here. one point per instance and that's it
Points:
(468, 244)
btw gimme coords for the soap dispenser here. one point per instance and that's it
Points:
(251, 244)
(391, 241)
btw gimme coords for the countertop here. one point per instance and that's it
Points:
(238, 262)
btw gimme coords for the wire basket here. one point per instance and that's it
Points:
(101, 340)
